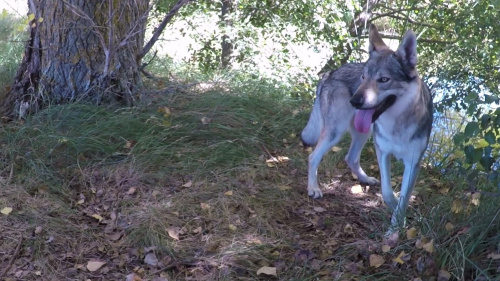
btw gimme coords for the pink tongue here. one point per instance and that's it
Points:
(363, 120)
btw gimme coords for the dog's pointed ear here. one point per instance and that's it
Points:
(376, 42)
(407, 50)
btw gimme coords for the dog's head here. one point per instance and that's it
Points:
(386, 76)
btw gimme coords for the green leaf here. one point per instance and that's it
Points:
(486, 162)
(482, 143)
(490, 137)
(471, 130)
(485, 120)
(490, 99)
(458, 139)
(472, 155)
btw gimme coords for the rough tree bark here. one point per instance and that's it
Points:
(79, 50)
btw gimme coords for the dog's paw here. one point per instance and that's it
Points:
(314, 192)
(370, 181)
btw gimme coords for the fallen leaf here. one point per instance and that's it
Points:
(376, 260)
(356, 189)
(267, 271)
(6, 211)
(131, 190)
(399, 259)
(444, 190)
(151, 259)
(443, 275)
(204, 206)
(448, 226)
(392, 240)
(456, 206)
(429, 247)
(38, 273)
(419, 244)
(284, 187)
(336, 149)
(411, 233)
(206, 121)
(355, 267)
(197, 230)
(165, 110)
(97, 217)
(420, 264)
(133, 277)
(38, 230)
(94, 265)
(129, 144)
(188, 184)
(174, 232)
(386, 248)
(475, 198)
(232, 227)
(348, 228)
(494, 256)
(228, 193)
(319, 209)
(115, 236)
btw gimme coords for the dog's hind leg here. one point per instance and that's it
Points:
(328, 138)
(352, 158)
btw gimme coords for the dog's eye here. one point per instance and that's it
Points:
(384, 79)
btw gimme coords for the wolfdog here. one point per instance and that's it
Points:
(384, 95)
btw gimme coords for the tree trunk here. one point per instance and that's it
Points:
(227, 46)
(79, 50)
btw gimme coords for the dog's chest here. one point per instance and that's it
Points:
(394, 138)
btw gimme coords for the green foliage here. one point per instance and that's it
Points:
(13, 34)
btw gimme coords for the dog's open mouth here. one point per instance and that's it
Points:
(365, 117)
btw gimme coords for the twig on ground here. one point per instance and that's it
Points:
(14, 256)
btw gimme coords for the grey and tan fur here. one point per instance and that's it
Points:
(384, 95)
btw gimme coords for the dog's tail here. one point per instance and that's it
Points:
(310, 134)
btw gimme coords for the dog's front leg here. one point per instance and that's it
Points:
(409, 178)
(384, 163)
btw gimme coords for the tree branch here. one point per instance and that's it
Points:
(395, 37)
(410, 20)
(161, 27)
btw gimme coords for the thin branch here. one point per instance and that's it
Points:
(161, 27)
(389, 36)
(14, 256)
(381, 15)
(410, 20)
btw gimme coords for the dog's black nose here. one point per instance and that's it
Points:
(357, 102)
